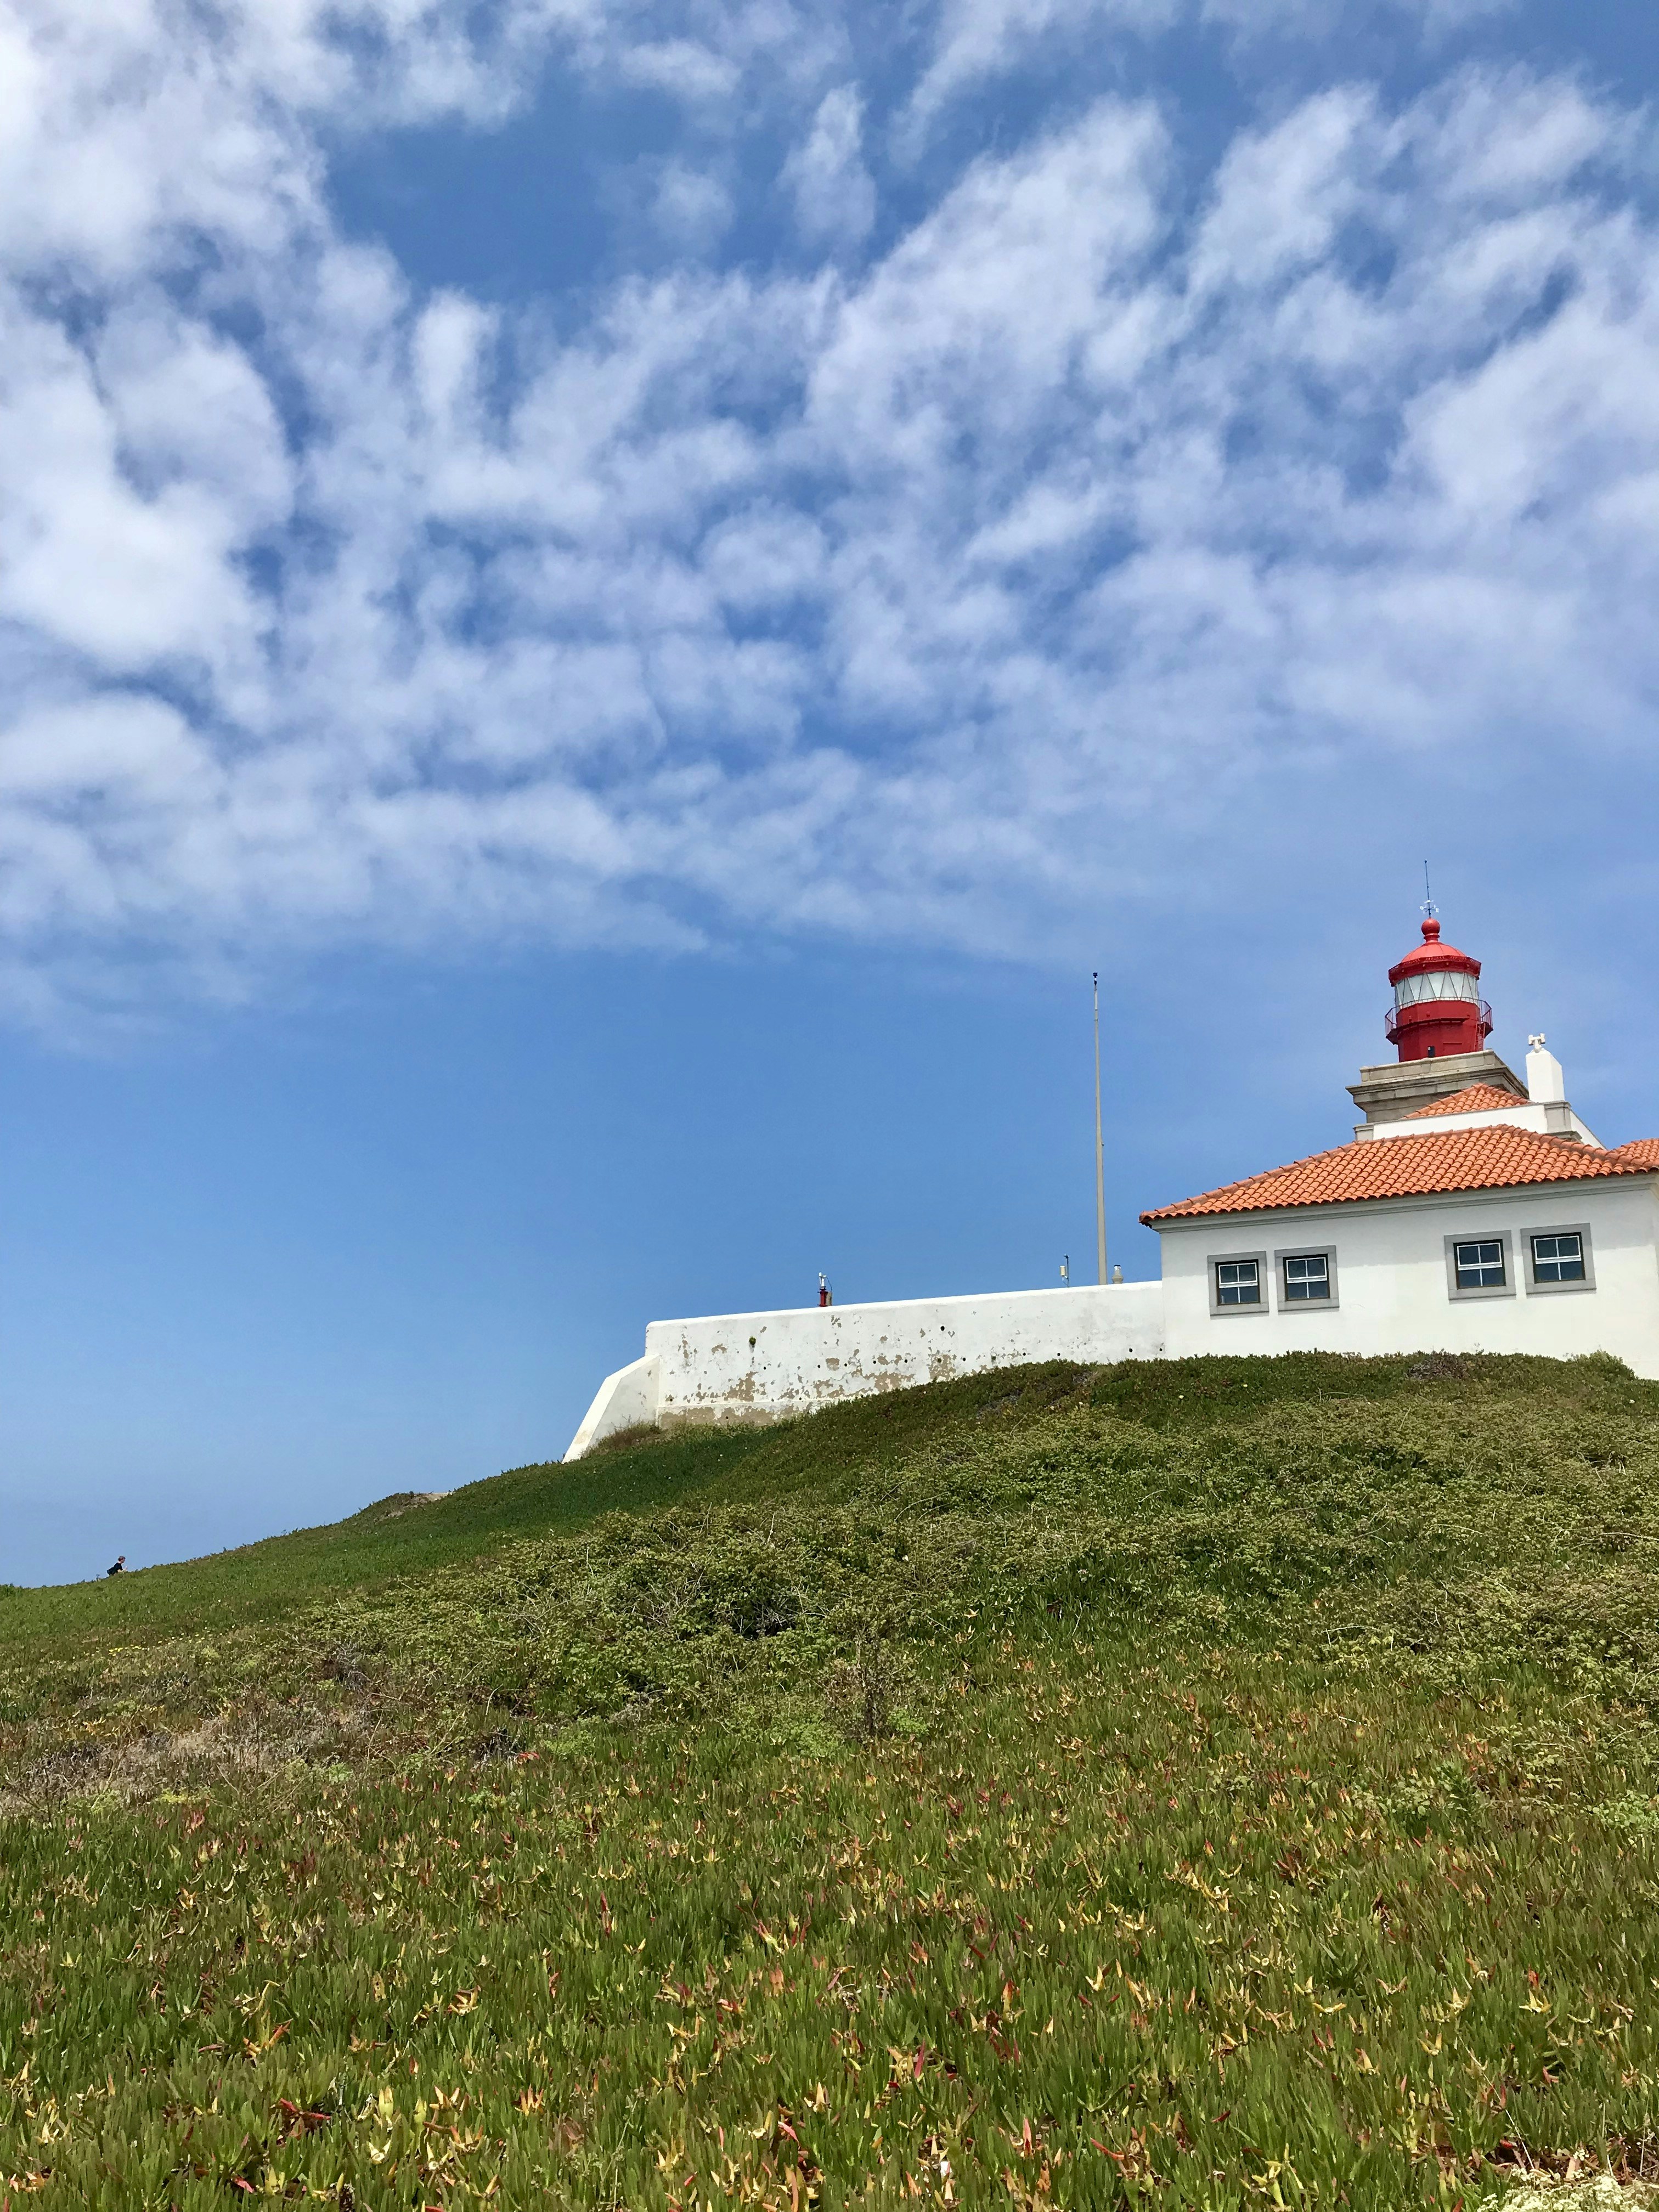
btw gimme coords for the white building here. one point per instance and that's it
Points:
(1462, 1229)
(1469, 1213)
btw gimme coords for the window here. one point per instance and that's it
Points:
(1562, 1259)
(1307, 1275)
(1483, 1266)
(1239, 1283)
(1480, 1266)
(1306, 1278)
(1558, 1259)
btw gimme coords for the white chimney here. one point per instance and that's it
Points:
(1546, 1084)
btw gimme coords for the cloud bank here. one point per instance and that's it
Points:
(892, 581)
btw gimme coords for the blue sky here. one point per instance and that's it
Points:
(607, 606)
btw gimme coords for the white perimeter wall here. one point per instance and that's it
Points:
(1392, 1296)
(1392, 1292)
(758, 1366)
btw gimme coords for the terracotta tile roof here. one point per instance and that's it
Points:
(1500, 1157)
(1479, 1098)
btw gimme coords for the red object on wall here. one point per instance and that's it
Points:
(1437, 1006)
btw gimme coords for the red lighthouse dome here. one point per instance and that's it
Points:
(1437, 1006)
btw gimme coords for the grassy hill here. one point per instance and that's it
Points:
(1197, 1783)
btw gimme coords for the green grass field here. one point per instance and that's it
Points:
(1217, 1783)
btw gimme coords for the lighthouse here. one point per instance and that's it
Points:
(1437, 1006)
(1438, 1024)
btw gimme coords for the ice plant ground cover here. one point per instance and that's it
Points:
(1205, 1783)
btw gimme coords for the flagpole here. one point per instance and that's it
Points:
(1100, 1150)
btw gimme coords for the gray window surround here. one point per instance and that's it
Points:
(1501, 1236)
(1579, 1229)
(1325, 1252)
(1214, 1260)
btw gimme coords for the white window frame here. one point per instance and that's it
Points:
(1578, 1229)
(1288, 1304)
(1503, 1237)
(1263, 1305)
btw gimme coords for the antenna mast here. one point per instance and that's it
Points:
(1100, 1150)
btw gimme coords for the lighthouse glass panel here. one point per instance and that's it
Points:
(1438, 983)
(1237, 1283)
(1307, 1277)
(1480, 1266)
(1557, 1259)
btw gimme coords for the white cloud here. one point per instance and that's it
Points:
(896, 597)
(835, 194)
(129, 570)
(975, 41)
(692, 72)
(106, 750)
(1281, 198)
(691, 208)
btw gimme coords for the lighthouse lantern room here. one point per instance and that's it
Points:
(1437, 1007)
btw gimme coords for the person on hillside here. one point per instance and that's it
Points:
(120, 1566)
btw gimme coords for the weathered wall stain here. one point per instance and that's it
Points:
(760, 1367)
